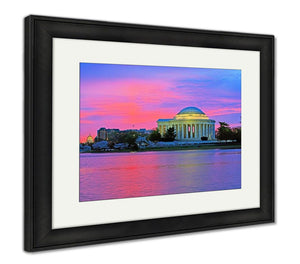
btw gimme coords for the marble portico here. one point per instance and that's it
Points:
(189, 124)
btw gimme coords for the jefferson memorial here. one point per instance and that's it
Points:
(189, 124)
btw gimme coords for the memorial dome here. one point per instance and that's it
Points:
(191, 110)
(191, 113)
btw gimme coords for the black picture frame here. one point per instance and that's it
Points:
(39, 32)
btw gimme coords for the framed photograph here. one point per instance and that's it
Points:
(135, 131)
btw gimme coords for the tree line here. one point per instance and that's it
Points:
(169, 136)
(224, 132)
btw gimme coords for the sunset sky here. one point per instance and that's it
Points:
(133, 96)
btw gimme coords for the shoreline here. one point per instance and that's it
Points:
(199, 147)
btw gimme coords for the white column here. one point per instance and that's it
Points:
(181, 131)
(194, 134)
(207, 130)
(200, 131)
(187, 131)
(195, 131)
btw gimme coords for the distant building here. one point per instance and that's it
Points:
(106, 134)
(142, 130)
(189, 124)
(101, 134)
(89, 139)
(112, 130)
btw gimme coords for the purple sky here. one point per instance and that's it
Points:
(133, 96)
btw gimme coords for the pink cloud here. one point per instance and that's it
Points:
(138, 103)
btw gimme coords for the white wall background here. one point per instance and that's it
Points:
(272, 243)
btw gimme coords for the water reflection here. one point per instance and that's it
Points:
(123, 175)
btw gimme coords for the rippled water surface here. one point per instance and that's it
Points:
(123, 175)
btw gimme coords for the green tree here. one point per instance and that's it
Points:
(155, 136)
(128, 137)
(111, 144)
(170, 134)
(134, 146)
(237, 134)
(224, 132)
(131, 137)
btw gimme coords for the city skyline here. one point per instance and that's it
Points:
(134, 96)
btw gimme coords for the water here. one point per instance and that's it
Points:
(123, 175)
